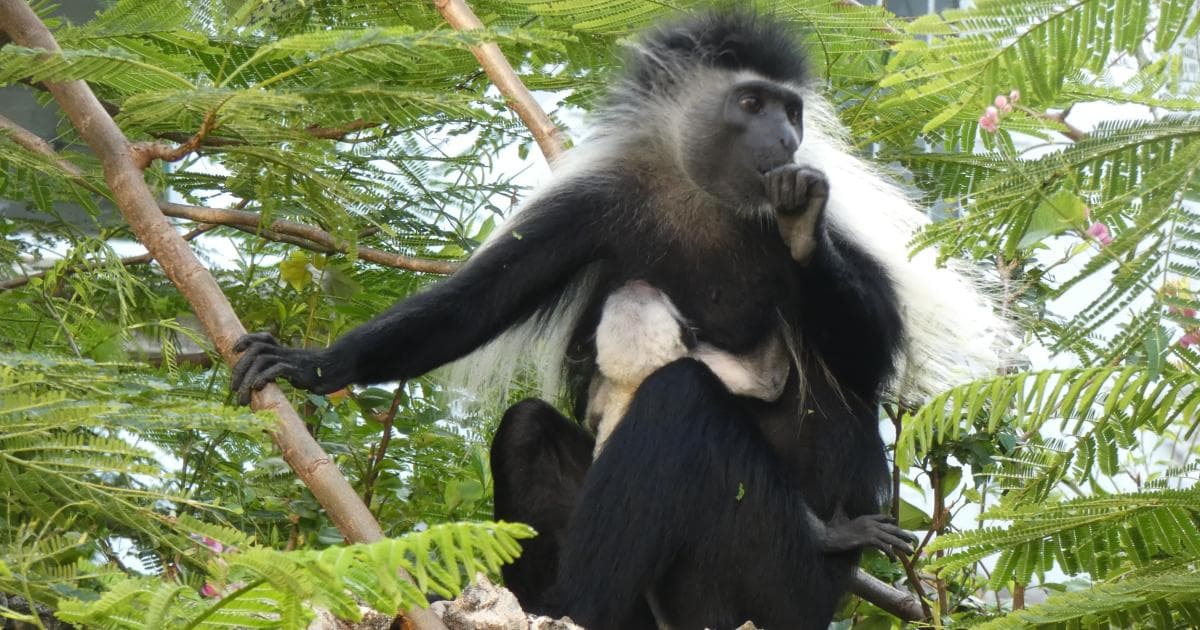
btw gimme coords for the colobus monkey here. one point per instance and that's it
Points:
(717, 176)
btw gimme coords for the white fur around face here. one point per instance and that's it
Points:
(952, 333)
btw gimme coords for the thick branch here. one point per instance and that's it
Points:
(887, 597)
(545, 132)
(140, 209)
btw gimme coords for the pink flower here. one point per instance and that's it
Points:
(1014, 96)
(1100, 232)
(1186, 312)
(990, 120)
(208, 590)
(1002, 104)
(1190, 339)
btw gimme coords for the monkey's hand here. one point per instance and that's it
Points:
(798, 194)
(873, 530)
(265, 360)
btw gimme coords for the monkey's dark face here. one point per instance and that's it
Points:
(753, 127)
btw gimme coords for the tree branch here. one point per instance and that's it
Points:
(146, 152)
(280, 230)
(547, 134)
(1072, 132)
(887, 597)
(33, 142)
(316, 236)
(140, 209)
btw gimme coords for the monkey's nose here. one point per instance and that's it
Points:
(790, 143)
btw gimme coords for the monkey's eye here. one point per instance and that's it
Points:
(750, 103)
(793, 114)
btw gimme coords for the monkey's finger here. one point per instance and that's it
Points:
(818, 188)
(263, 370)
(787, 192)
(885, 548)
(243, 367)
(252, 338)
(771, 181)
(800, 186)
(896, 542)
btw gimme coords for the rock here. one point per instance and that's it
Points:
(485, 606)
(371, 620)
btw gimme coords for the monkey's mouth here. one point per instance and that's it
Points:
(766, 169)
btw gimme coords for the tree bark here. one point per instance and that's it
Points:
(547, 134)
(140, 209)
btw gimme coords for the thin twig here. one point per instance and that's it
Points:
(888, 597)
(128, 261)
(317, 236)
(389, 421)
(146, 152)
(314, 238)
(1072, 132)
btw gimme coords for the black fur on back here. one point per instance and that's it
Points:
(726, 39)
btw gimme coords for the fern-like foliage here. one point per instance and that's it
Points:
(1076, 401)
(264, 588)
(71, 475)
(1166, 599)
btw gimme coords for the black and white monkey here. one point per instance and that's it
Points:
(716, 186)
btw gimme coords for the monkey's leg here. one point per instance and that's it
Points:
(688, 505)
(539, 459)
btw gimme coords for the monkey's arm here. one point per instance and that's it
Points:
(507, 280)
(848, 300)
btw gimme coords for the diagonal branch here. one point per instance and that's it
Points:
(547, 134)
(140, 209)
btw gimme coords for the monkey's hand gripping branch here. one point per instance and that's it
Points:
(842, 533)
(798, 194)
(265, 360)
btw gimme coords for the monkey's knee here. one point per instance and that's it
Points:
(533, 429)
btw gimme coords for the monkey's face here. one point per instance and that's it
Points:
(749, 129)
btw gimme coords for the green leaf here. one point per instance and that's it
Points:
(294, 270)
(1056, 214)
(913, 517)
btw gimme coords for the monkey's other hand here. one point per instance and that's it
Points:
(872, 530)
(265, 360)
(795, 190)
